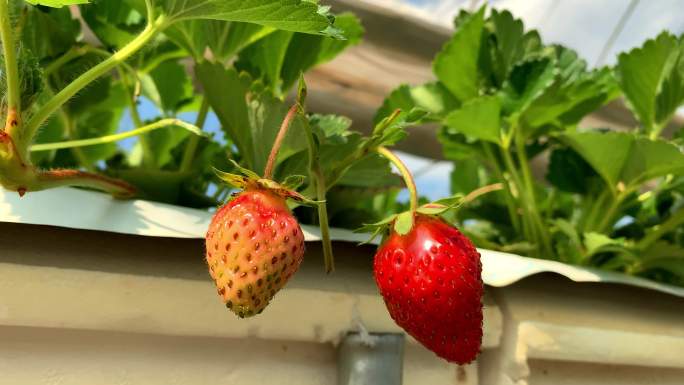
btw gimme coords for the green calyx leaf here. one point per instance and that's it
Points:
(294, 181)
(286, 192)
(376, 228)
(244, 171)
(250, 179)
(403, 223)
(442, 206)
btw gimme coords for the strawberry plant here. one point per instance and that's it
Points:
(69, 85)
(510, 110)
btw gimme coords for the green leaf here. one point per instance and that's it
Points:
(569, 230)
(630, 159)
(510, 44)
(115, 23)
(49, 33)
(266, 58)
(157, 185)
(223, 38)
(173, 85)
(100, 119)
(646, 72)
(527, 81)
(575, 92)
(403, 223)
(478, 118)
(597, 243)
(253, 116)
(306, 51)
(456, 66)
(431, 97)
(221, 84)
(280, 57)
(57, 3)
(330, 129)
(663, 256)
(569, 172)
(467, 174)
(371, 171)
(288, 15)
(391, 129)
(163, 142)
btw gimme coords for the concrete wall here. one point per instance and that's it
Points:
(85, 307)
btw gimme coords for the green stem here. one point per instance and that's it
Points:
(193, 141)
(161, 58)
(510, 202)
(147, 156)
(89, 76)
(589, 223)
(11, 72)
(322, 209)
(149, 8)
(68, 56)
(657, 232)
(284, 127)
(57, 178)
(608, 216)
(515, 179)
(116, 137)
(406, 174)
(531, 196)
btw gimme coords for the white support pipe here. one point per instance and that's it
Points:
(370, 360)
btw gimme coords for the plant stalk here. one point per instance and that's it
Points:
(528, 228)
(670, 224)
(116, 137)
(510, 201)
(609, 215)
(193, 141)
(56, 178)
(11, 74)
(530, 195)
(284, 127)
(147, 158)
(588, 223)
(408, 179)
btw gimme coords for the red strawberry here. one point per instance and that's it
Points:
(431, 282)
(254, 245)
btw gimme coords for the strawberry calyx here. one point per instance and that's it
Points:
(249, 180)
(402, 223)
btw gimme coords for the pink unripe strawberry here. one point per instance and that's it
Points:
(254, 245)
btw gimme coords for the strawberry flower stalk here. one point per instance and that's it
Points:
(429, 274)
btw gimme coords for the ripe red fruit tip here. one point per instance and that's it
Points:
(254, 245)
(431, 282)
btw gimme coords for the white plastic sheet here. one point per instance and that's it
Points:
(80, 209)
